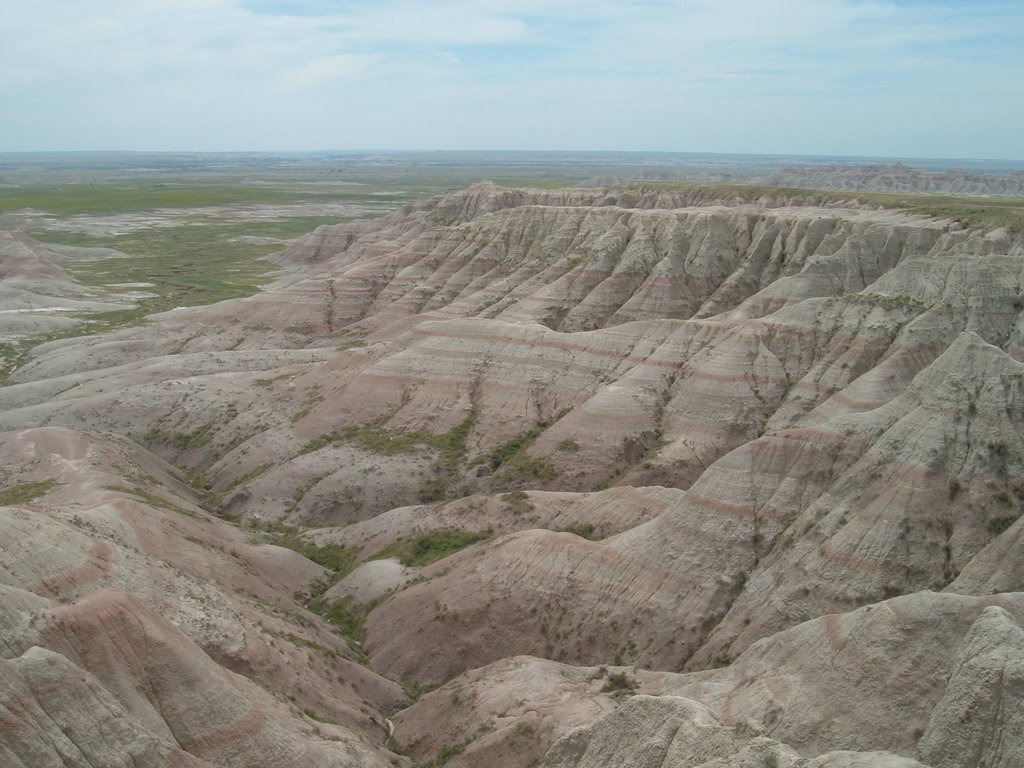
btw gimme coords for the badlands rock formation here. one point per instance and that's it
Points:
(634, 477)
(36, 293)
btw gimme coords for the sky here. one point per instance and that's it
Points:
(883, 78)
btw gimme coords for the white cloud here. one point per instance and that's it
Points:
(325, 70)
(159, 72)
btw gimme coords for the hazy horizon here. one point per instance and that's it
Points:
(835, 78)
(666, 160)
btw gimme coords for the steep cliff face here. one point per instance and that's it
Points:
(682, 431)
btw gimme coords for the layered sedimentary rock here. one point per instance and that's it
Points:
(756, 462)
(116, 583)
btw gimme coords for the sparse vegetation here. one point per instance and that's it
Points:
(266, 381)
(152, 499)
(345, 615)
(375, 438)
(511, 465)
(525, 729)
(721, 659)
(523, 469)
(434, 489)
(416, 691)
(336, 558)
(999, 524)
(447, 752)
(619, 684)
(183, 441)
(583, 530)
(25, 492)
(430, 547)
(611, 480)
(518, 503)
(512, 449)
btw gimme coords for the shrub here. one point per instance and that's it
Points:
(619, 683)
(336, 558)
(525, 469)
(430, 547)
(518, 503)
(583, 530)
(513, 448)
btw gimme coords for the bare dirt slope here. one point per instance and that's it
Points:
(692, 479)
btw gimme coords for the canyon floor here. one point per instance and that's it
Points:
(660, 475)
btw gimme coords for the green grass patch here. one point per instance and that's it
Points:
(453, 443)
(70, 199)
(512, 448)
(430, 547)
(372, 438)
(523, 469)
(512, 466)
(267, 381)
(583, 530)
(25, 492)
(389, 442)
(183, 441)
(12, 357)
(346, 616)
(336, 558)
